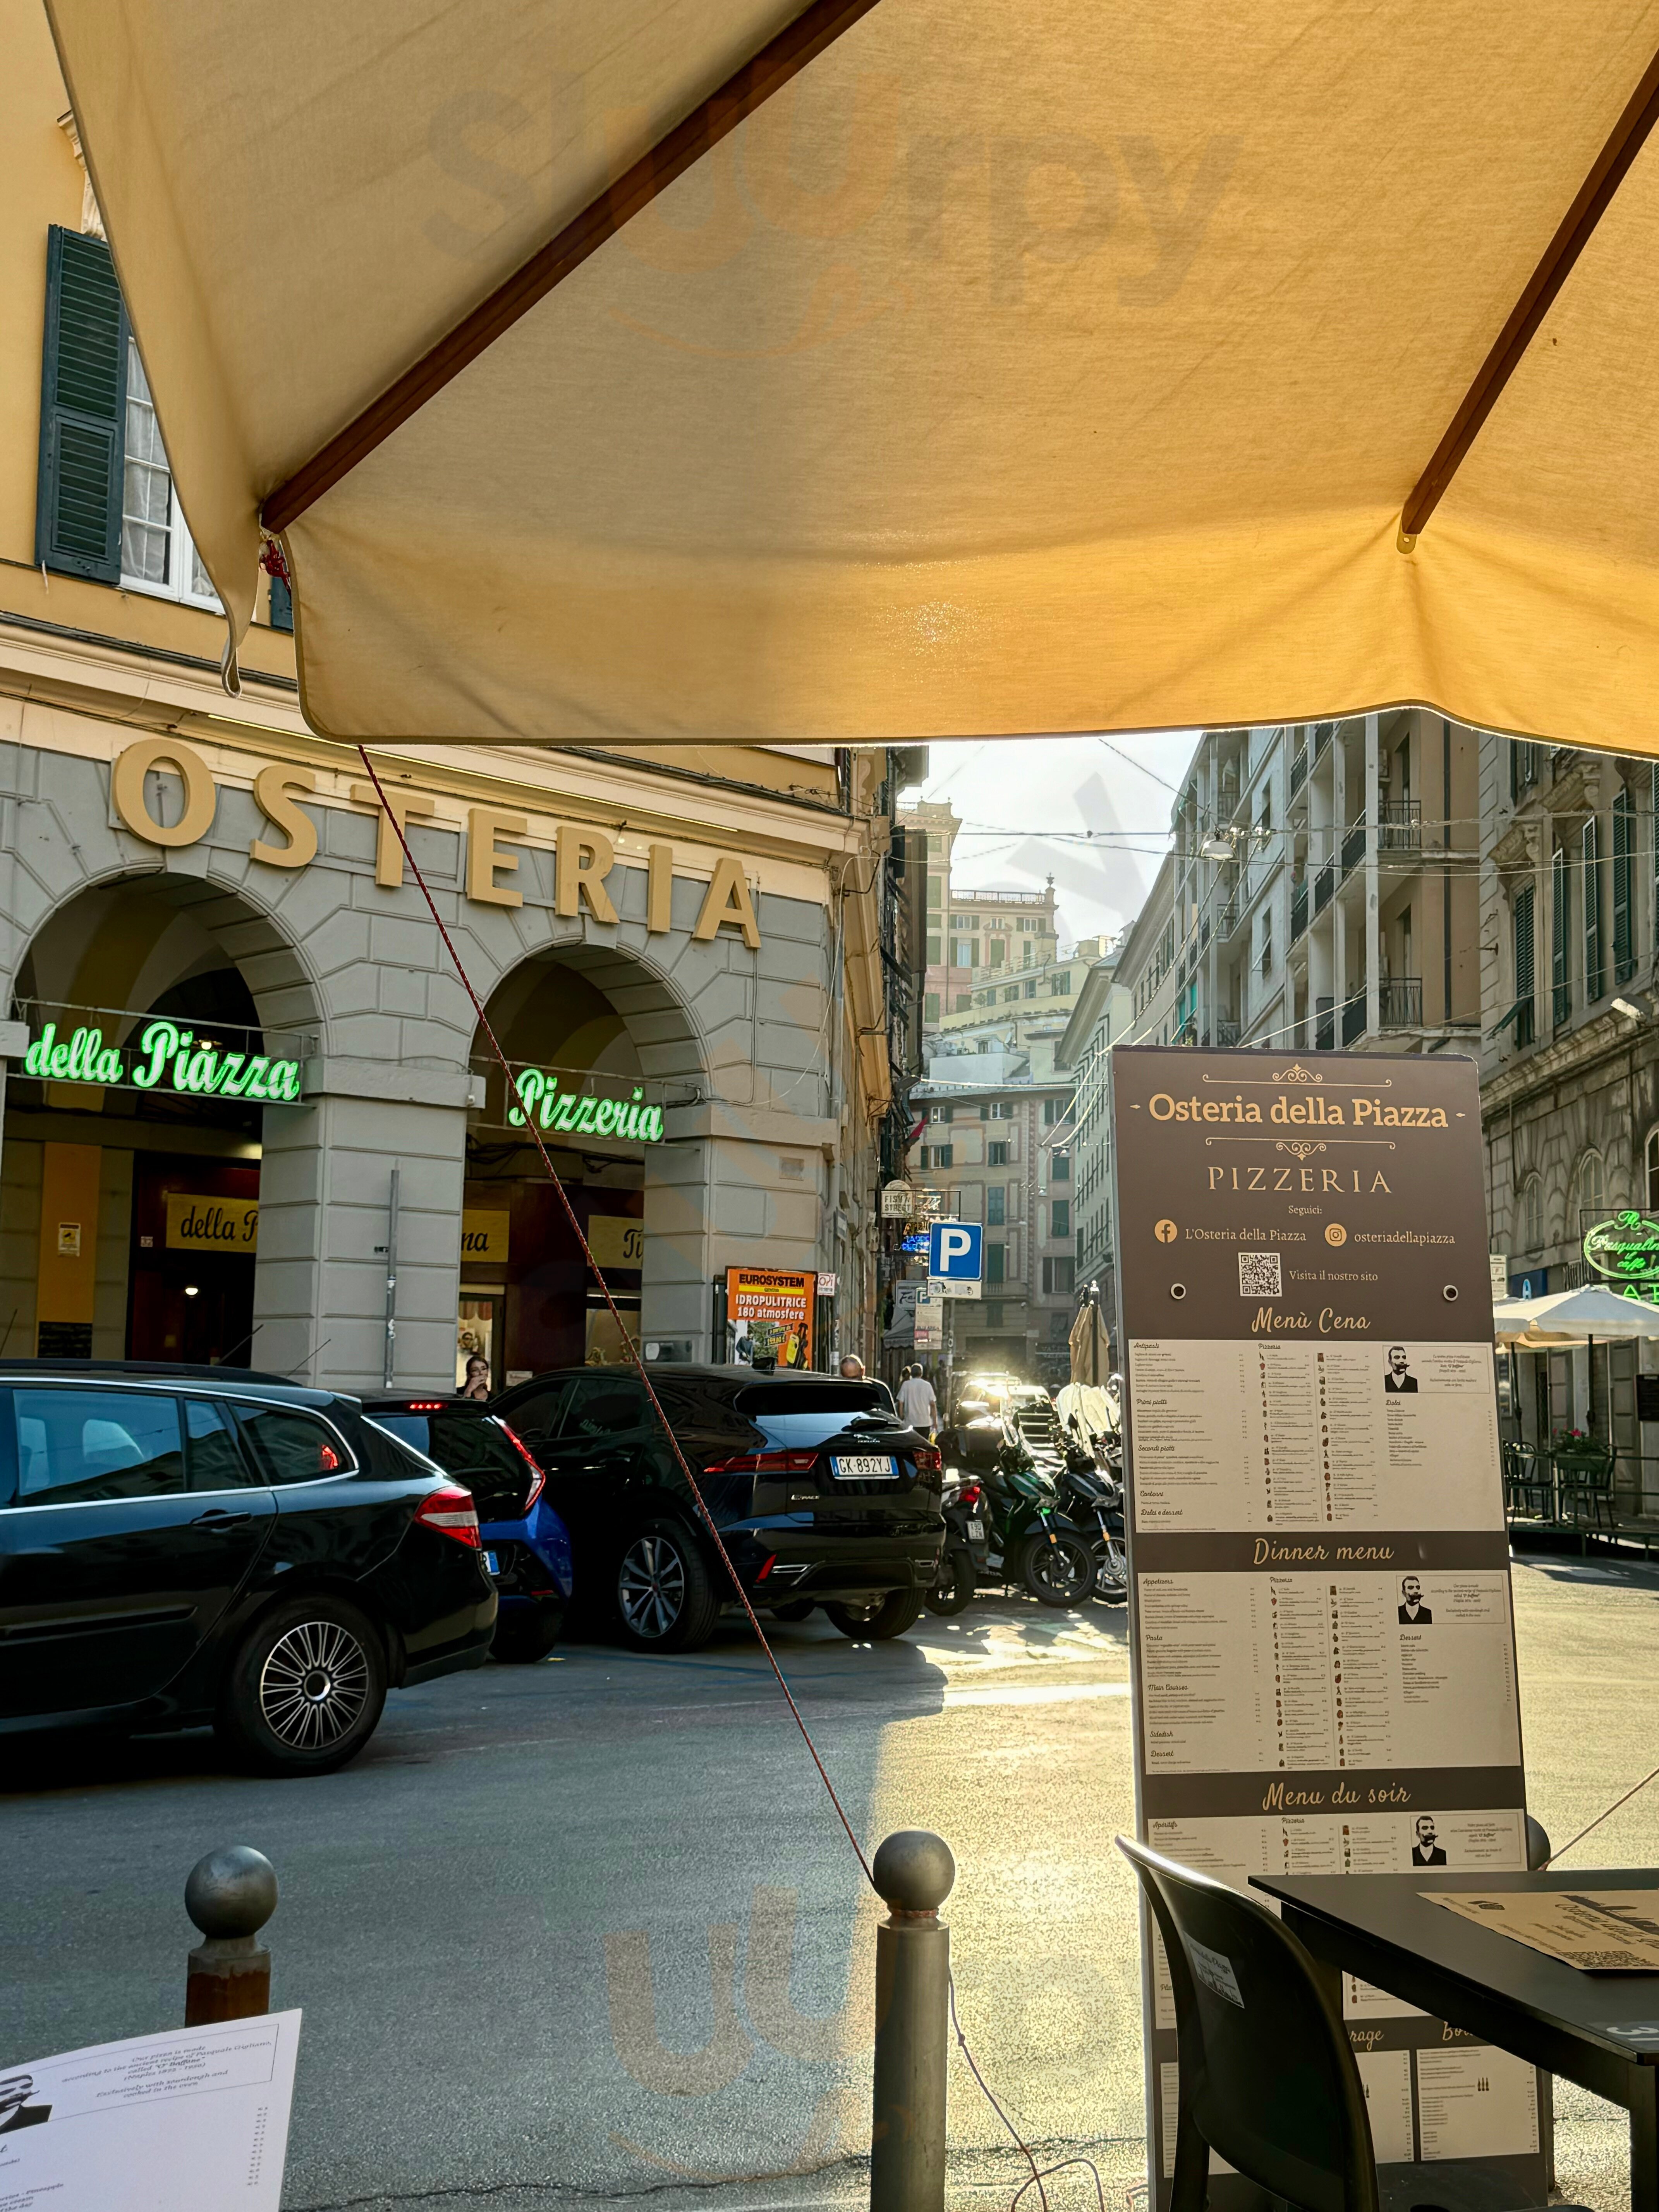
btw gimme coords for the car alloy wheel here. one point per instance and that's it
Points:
(314, 1685)
(651, 1586)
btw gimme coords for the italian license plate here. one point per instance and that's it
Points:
(491, 1566)
(864, 1466)
(976, 1529)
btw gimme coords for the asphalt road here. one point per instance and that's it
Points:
(589, 1930)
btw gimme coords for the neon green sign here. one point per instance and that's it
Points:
(166, 1058)
(1624, 1247)
(538, 1093)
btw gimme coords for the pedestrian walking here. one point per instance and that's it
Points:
(918, 1406)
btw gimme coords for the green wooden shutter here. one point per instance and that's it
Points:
(84, 397)
(1526, 984)
(1560, 938)
(1624, 888)
(1595, 975)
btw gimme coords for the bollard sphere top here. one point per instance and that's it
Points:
(231, 1891)
(914, 1871)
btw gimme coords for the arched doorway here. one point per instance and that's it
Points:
(166, 1019)
(602, 1053)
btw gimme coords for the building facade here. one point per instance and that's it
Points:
(1103, 1015)
(251, 1114)
(1570, 1090)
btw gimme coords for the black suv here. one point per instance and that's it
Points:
(180, 1545)
(821, 1494)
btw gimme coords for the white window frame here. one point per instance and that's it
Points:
(181, 546)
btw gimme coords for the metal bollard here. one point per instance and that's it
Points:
(914, 1872)
(230, 1895)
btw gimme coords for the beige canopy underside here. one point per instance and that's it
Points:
(1046, 367)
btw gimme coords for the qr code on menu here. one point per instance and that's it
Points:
(1260, 1275)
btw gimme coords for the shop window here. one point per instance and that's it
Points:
(1060, 1216)
(996, 1202)
(997, 1153)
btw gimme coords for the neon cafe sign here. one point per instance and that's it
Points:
(1626, 1251)
(166, 1058)
(583, 1111)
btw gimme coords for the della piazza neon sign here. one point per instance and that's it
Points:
(166, 1058)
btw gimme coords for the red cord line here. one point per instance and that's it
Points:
(598, 1273)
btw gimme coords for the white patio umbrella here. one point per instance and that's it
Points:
(1580, 1317)
(855, 370)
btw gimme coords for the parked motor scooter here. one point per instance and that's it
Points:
(1089, 1494)
(1029, 1539)
(962, 1561)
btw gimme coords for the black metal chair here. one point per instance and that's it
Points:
(1268, 2078)
(1527, 1491)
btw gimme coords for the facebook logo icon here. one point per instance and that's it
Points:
(953, 1251)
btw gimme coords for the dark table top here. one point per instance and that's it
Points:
(1380, 1927)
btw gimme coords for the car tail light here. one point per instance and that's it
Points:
(451, 1513)
(771, 1559)
(766, 1462)
(929, 1460)
(537, 1475)
(424, 1406)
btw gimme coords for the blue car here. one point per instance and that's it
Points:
(527, 1547)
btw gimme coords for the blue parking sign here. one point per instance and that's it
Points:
(953, 1251)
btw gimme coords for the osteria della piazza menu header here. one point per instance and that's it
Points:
(1323, 1645)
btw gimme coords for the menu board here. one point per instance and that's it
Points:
(1322, 1642)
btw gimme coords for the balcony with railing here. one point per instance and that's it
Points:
(1298, 910)
(1324, 886)
(1399, 1003)
(1325, 1025)
(1323, 733)
(1298, 771)
(1354, 846)
(1353, 1018)
(1400, 825)
(1226, 1035)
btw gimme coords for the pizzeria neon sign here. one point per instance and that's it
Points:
(538, 1093)
(166, 1058)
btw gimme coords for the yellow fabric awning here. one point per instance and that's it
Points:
(1054, 367)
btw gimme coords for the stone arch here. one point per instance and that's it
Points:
(115, 948)
(606, 1018)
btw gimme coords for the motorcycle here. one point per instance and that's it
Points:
(962, 1561)
(1090, 1495)
(1029, 1539)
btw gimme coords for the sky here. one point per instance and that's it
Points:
(1093, 813)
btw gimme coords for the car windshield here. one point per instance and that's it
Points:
(795, 1416)
(475, 1450)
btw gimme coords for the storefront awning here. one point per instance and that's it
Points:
(1006, 369)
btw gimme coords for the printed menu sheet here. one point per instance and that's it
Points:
(190, 2121)
(1274, 1671)
(1321, 1622)
(1271, 1435)
(1599, 1931)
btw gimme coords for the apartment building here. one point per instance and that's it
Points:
(1102, 1015)
(1570, 1063)
(1028, 1009)
(940, 825)
(1326, 880)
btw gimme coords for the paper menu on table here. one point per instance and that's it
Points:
(190, 2121)
(1284, 1435)
(1599, 1931)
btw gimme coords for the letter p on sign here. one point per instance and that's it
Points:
(954, 1251)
